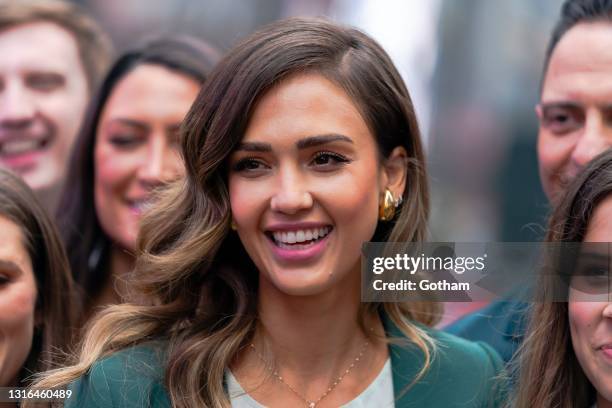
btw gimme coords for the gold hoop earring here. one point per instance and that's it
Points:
(233, 226)
(386, 208)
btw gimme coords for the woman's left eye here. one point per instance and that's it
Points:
(326, 159)
(125, 140)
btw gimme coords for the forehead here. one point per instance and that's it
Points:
(38, 46)
(580, 66)
(306, 105)
(153, 90)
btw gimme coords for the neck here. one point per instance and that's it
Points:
(312, 334)
(311, 348)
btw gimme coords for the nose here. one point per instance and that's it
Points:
(595, 139)
(607, 312)
(160, 164)
(17, 106)
(292, 195)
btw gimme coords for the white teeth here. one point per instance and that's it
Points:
(294, 237)
(142, 205)
(19, 146)
(291, 237)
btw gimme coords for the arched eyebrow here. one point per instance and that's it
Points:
(310, 141)
(129, 122)
(318, 140)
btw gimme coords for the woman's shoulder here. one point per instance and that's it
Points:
(132, 377)
(460, 373)
(452, 349)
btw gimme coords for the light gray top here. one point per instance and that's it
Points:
(378, 394)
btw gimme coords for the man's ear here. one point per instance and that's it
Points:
(538, 110)
(395, 172)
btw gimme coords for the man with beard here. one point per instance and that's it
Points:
(52, 58)
(575, 114)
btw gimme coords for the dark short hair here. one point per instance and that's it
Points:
(574, 12)
(55, 293)
(86, 242)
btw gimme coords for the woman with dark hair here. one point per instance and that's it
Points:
(302, 145)
(127, 147)
(566, 360)
(37, 308)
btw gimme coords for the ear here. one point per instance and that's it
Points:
(538, 110)
(394, 172)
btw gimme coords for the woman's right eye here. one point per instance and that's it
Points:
(249, 165)
(125, 140)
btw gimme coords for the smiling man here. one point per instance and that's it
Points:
(52, 58)
(575, 114)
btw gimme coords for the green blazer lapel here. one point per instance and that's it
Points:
(406, 361)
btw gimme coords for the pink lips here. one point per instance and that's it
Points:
(297, 254)
(607, 351)
(23, 161)
(33, 143)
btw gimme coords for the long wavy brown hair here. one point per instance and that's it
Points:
(195, 284)
(55, 300)
(550, 374)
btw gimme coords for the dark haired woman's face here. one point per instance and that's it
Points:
(304, 187)
(136, 146)
(17, 302)
(591, 319)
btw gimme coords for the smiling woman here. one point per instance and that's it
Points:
(127, 147)
(37, 308)
(566, 360)
(302, 145)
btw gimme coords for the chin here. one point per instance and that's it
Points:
(300, 283)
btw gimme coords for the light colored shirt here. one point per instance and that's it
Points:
(378, 394)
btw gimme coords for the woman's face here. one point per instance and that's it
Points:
(305, 184)
(17, 302)
(136, 146)
(591, 321)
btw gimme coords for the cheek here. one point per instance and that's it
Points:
(353, 196)
(583, 317)
(115, 175)
(554, 151)
(241, 205)
(17, 315)
(65, 110)
(113, 172)
(175, 165)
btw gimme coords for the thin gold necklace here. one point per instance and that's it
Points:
(337, 381)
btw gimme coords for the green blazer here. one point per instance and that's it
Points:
(462, 374)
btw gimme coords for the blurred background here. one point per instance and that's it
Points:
(473, 68)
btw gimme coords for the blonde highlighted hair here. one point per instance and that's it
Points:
(194, 284)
